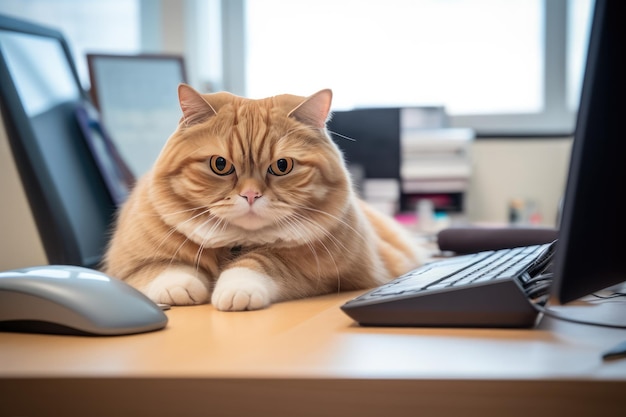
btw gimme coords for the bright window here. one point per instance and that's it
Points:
(578, 25)
(478, 58)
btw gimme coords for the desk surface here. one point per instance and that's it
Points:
(306, 357)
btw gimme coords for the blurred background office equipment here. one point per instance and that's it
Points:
(403, 155)
(137, 98)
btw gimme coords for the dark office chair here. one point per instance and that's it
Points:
(72, 176)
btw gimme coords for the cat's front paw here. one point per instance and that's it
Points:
(178, 285)
(241, 288)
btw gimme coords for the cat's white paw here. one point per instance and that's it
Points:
(240, 289)
(178, 285)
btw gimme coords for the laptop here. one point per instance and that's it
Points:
(510, 287)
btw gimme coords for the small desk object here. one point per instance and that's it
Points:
(307, 358)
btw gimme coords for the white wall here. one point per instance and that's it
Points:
(19, 241)
(504, 169)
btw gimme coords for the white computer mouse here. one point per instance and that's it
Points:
(74, 300)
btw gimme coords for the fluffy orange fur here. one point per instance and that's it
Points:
(250, 203)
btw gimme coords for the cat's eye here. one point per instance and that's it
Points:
(221, 165)
(283, 166)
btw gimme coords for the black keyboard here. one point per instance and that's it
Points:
(485, 289)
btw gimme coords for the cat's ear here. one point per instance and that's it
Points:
(195, 108)
(314, 110)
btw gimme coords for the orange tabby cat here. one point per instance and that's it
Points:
(250, 203)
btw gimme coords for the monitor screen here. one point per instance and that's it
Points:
(41, 86)
(592, 237)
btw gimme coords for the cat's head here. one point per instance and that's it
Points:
(239, 171)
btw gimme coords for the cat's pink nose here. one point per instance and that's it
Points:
(251, 196)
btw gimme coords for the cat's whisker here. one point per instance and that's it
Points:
(342, 136)
(175, 254)
(219, 226)
(326, 233)
(173, 229)
(187, 239)
(338, 219)
(339, 245)
(163, 213)
(202, 245)
(301, 220)
(157, 251)
(292, 224)
(174, 213)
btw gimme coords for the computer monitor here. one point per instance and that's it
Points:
(72, 178)
(591, 249)
(137, 98)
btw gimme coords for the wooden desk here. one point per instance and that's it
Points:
(306, 358)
